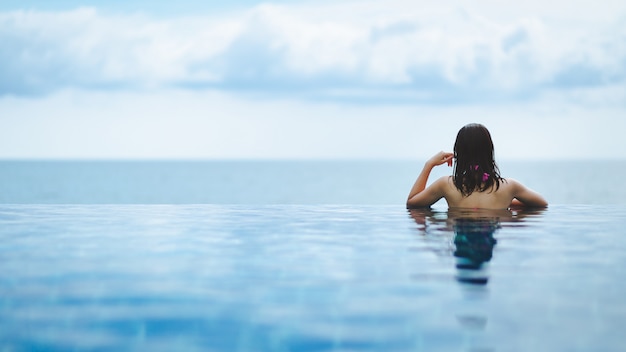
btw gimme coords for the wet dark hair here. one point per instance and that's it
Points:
(475, 168)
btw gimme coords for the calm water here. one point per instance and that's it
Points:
(279, 182)
(310, 278)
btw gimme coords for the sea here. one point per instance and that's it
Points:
(366, 182)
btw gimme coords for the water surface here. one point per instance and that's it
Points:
(310, 278)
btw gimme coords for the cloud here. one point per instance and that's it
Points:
(402, 52)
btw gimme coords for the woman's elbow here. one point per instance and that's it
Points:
(411, 203)
(540, 202)
(416, 202)
(535, 203)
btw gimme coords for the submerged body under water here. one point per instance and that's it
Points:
(310, 278)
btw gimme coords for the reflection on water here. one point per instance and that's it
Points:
(470, 235)
(473, 238)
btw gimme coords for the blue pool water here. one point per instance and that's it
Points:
(310, 278)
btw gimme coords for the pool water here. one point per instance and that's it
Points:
(311, 278)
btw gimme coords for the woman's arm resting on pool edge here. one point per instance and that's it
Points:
(420, 196)
(428, 196)
(524, 196)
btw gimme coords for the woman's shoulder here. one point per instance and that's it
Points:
(509, 182)
(445, 181)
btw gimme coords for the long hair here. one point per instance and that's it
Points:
(475, 168)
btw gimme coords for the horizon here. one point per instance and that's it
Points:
(320, 159)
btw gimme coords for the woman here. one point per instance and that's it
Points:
(476, 182)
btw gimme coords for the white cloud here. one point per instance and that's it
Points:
(411, 51)
(364, 79)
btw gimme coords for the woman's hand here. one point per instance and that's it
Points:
(440, 158)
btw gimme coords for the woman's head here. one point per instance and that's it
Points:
(475, 168)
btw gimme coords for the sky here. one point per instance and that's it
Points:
(245, 79)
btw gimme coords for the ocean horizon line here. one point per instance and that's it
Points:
(320, 159)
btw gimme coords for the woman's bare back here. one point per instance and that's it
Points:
(493, 198)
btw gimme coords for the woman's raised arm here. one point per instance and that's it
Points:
(420, 196)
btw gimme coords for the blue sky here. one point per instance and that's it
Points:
(310, 79)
